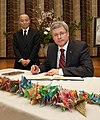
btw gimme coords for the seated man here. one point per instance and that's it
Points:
(72, 60)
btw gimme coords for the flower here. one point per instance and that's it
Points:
(43, 23)
(45, 35)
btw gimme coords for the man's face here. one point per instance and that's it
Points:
(60, 36)
(24, 21)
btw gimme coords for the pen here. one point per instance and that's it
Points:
(34, 68)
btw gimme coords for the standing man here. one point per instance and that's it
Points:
(65, 57)
(26, 44)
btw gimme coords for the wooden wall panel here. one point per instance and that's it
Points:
(67, 8)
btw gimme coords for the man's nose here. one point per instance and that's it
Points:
(59, 36)
(24, 21)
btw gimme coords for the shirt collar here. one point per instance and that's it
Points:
(26, 29)
(64, 47)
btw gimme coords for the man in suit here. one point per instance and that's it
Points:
(75, 61)
(26, 44)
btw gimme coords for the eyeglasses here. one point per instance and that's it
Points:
(61, 34)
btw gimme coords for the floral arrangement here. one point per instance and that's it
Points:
(43, 23)
(54, 95)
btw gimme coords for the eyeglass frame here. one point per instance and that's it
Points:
(61, 34)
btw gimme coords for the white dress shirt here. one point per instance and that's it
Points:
(26, 31)
(58, 56)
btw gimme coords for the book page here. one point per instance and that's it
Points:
(54, 77)
(58, 77)
(39, 77)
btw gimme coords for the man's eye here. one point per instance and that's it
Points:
(61, 33)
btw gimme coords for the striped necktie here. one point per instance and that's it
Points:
(62, 59)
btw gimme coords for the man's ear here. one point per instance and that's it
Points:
(68, 34)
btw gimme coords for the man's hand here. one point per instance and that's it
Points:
(53, 72)
(34, 69)
(25, 62)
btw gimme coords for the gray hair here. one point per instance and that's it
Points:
(58, 24)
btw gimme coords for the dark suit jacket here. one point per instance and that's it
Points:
(78, 61)
(26, 47)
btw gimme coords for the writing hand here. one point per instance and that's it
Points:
(34, 69)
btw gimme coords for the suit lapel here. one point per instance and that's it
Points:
(69, 53)
(21, 38)
(54, 56)
(26, 39)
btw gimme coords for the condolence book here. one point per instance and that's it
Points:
(54, 77)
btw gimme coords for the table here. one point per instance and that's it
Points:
(13, 107)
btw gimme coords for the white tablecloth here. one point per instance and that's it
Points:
(13, 107)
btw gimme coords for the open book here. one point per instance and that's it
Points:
(54, 77)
